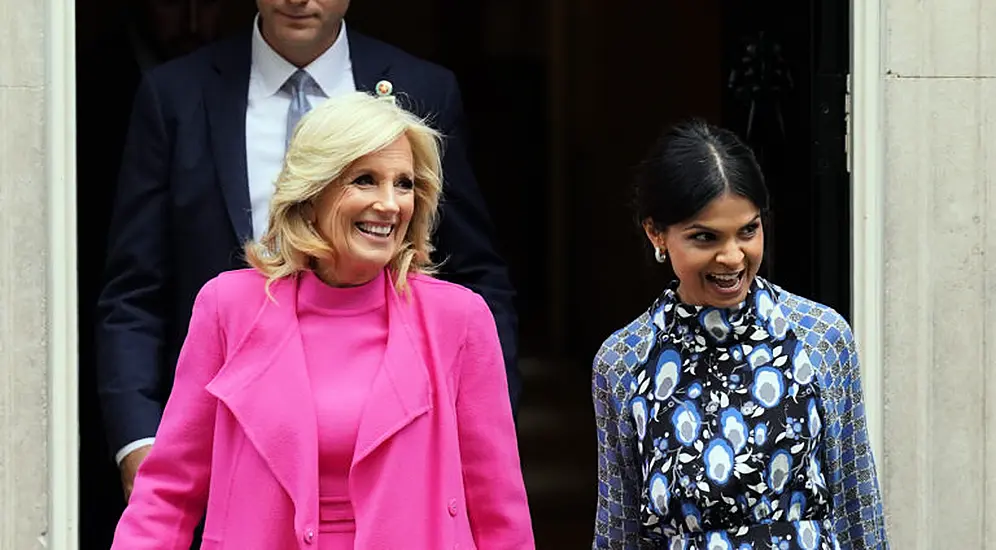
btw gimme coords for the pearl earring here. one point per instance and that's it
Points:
(659, 255)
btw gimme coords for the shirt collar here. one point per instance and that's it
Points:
(270, 70)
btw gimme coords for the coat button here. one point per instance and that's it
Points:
(309, 536)
(452, 507)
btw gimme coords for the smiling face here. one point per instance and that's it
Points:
(716, 253)
(364, 214)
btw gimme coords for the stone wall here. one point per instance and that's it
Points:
(939, 468)
(23, 276)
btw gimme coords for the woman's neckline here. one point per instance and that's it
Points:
(316, 295)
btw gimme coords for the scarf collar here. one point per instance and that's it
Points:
(701, 326)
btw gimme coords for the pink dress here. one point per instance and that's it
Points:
(355, 318)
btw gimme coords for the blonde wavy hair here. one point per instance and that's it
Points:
(325, 143)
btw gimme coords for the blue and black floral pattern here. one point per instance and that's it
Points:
(856, 511)
(729, 430)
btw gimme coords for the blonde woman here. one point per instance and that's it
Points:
(336, 396)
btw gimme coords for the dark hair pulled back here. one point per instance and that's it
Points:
(688, 167)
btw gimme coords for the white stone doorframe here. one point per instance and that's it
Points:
(867, 215)
(867, 241)
(63, 383)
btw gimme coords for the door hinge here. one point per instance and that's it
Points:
(848, 124)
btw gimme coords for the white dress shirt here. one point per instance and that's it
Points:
(266, 112)
(266, 125)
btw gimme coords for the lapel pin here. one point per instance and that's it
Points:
(384, 88)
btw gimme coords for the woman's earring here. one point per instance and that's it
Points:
(660, 255)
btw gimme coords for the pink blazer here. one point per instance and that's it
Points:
(436, 462)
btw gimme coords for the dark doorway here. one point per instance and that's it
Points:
(563, 97)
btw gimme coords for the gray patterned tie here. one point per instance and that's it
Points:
(297, 85)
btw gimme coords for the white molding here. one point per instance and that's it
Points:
(867, 208)
(63, 383)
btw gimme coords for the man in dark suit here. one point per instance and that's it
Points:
(205, 144)
(109, 69)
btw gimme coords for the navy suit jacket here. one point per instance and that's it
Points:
(182, 212)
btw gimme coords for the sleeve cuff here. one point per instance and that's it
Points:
(127, 449)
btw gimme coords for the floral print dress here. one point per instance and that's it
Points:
(729, 431)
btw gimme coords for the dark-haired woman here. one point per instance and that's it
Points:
(729, 412)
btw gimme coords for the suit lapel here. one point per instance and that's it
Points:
(265, 385)
(370, 61)
(401, 391)
(226, 96)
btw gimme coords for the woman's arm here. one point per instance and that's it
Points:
(496, 495)
(859, 520)
(617, 515)
(172, 484)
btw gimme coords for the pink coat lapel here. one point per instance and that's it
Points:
(401, 391)
(264, 383)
